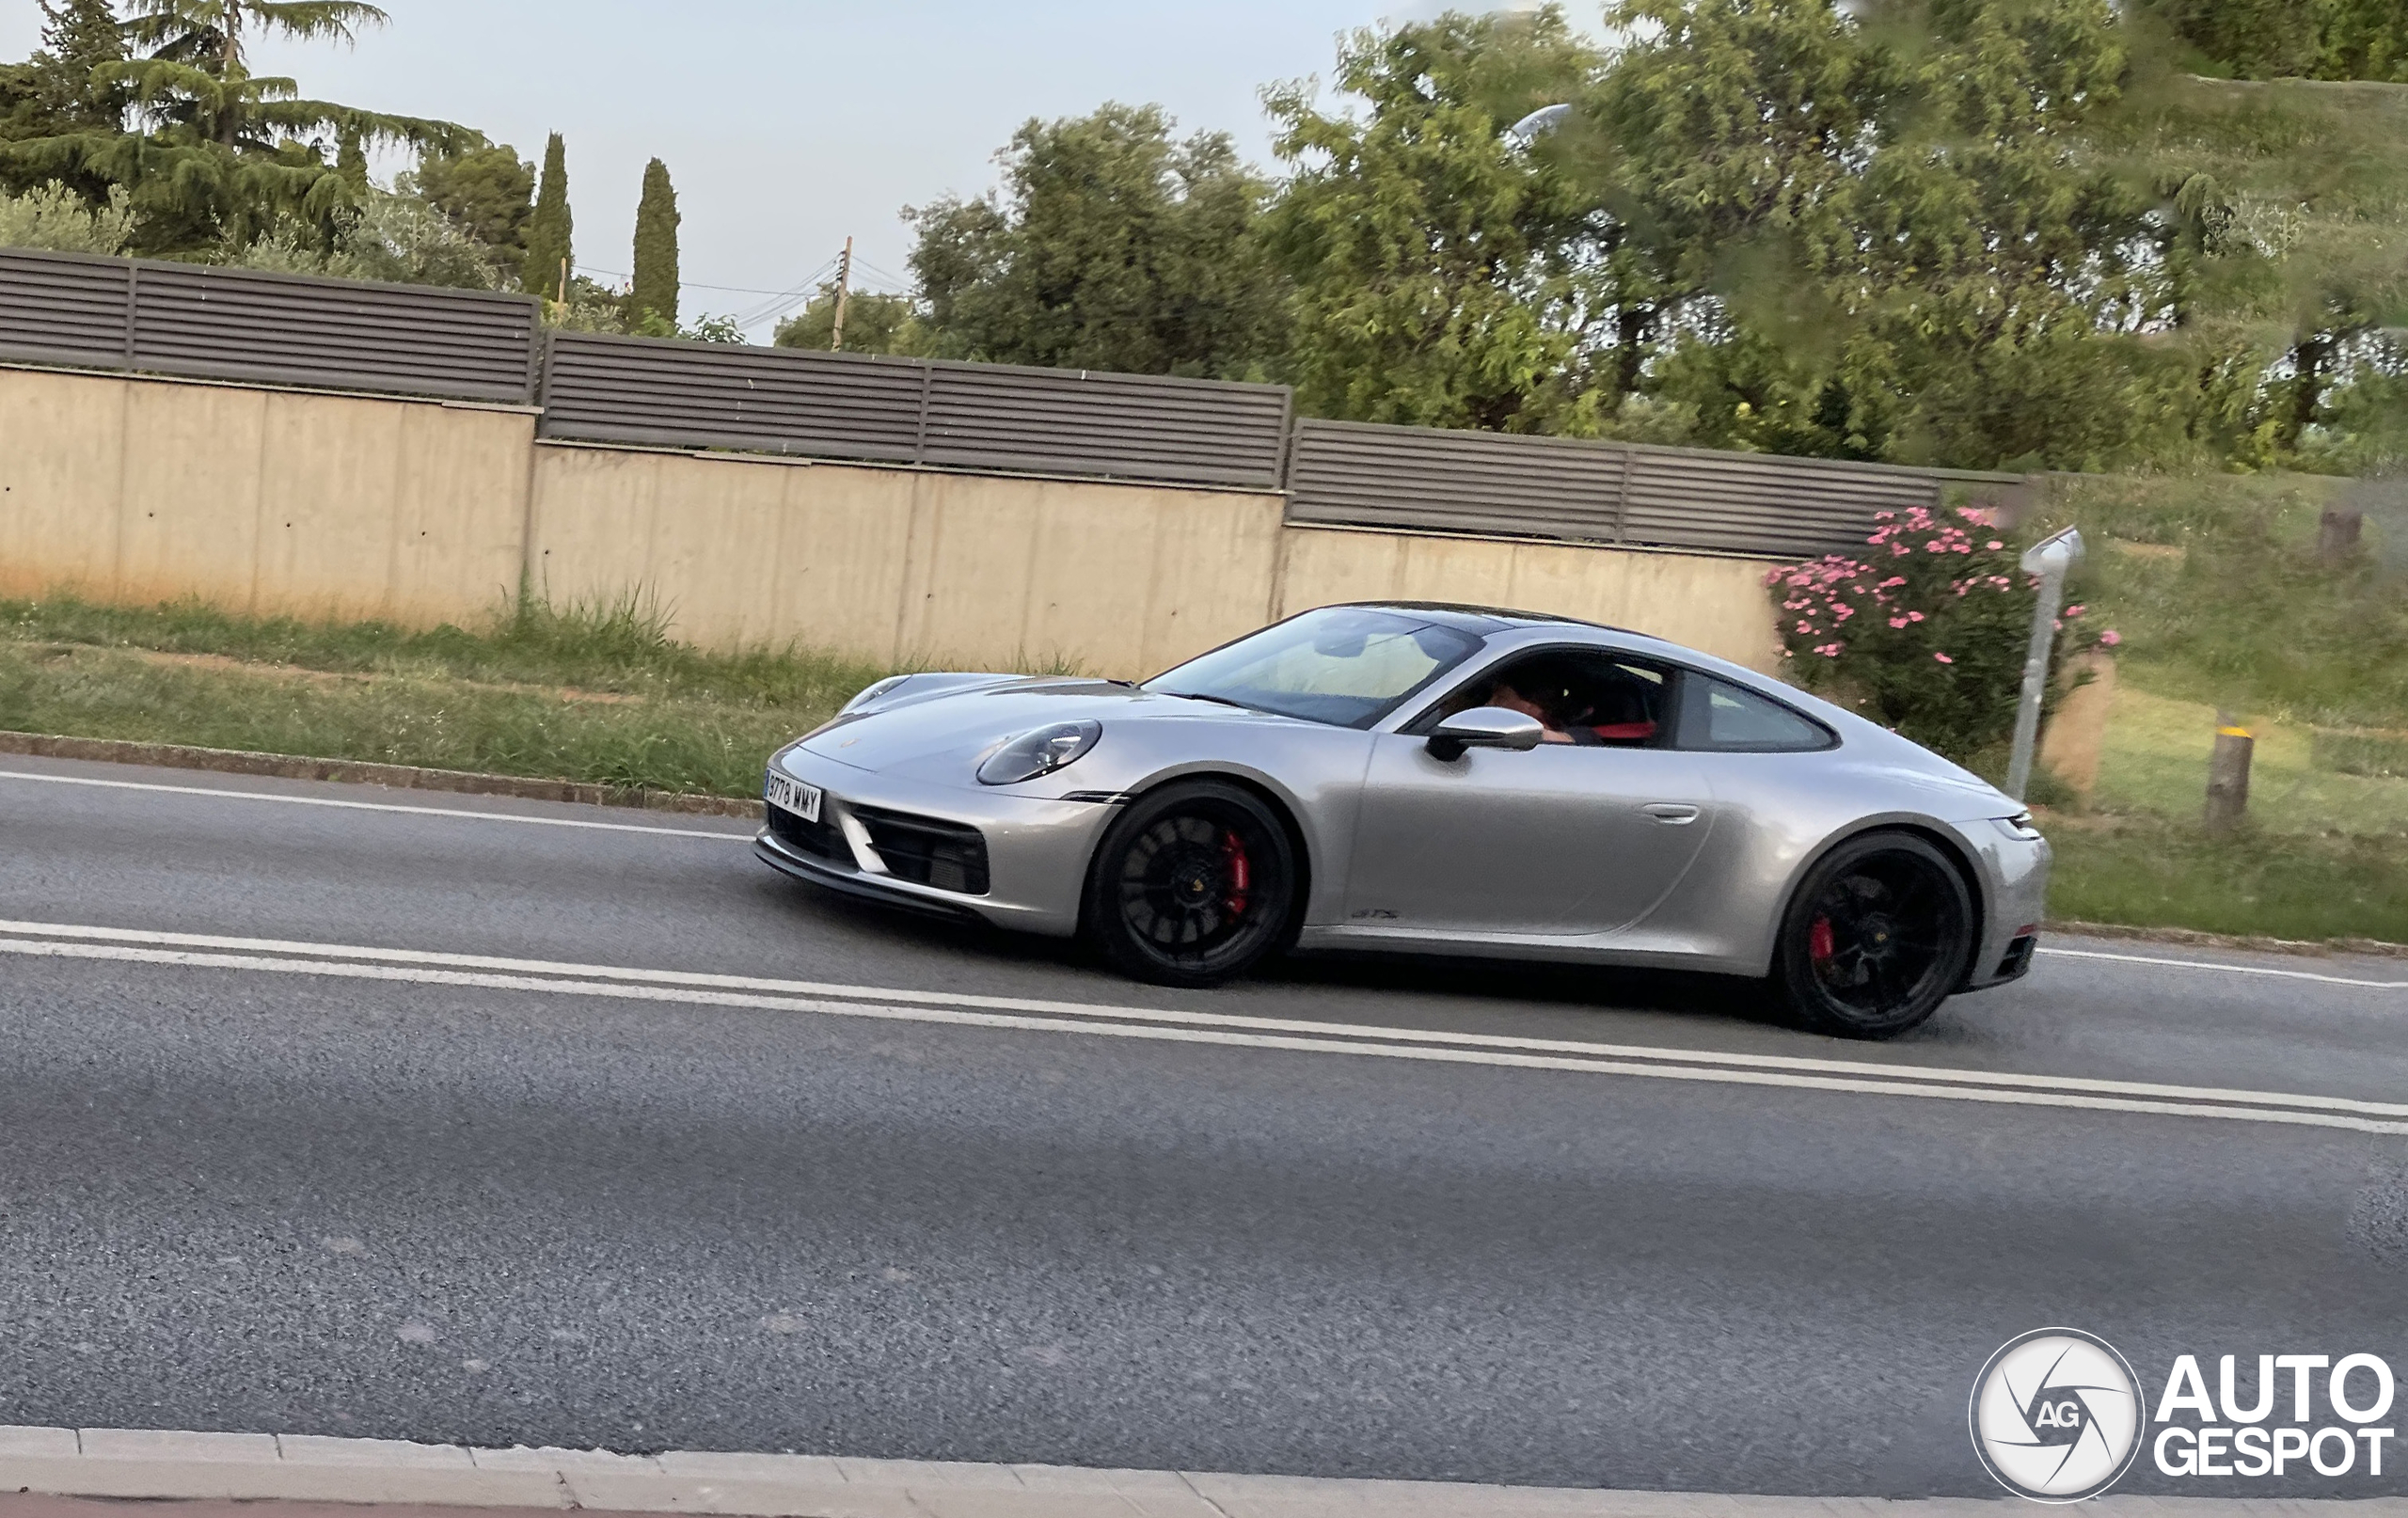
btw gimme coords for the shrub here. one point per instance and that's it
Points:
(54, 217)
(1926, 632)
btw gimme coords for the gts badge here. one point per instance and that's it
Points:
(1375, 914)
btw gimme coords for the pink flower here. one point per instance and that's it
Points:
(1900, 549)
(2110, 638)
(1829, 651)
(1914, 616)
(1897, 621)
(1994, 545)
(2075, 610)
(1944, 658)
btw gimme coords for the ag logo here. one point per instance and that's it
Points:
(2057, 1416)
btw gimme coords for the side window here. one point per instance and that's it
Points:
(1583, 699)
(1716, 714)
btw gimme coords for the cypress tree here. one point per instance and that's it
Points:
(350, 161)
(549, 239)
(79, 35)
(654, 293)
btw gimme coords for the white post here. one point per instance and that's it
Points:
(2049, 560)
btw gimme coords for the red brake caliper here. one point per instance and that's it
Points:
(1240, 873)
(1818, 939)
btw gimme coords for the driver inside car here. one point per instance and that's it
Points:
(1607, 710)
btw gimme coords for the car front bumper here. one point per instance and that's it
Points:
(2015, 882)
(1036, 850)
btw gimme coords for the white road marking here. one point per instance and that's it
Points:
(355, 962)
(367, 806)
(2232, 970)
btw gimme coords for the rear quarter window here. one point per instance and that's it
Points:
(1720, 716)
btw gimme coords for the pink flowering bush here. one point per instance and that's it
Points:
(1924, 631)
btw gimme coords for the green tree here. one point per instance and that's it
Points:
(224, 154)
(1111, 247)
(80, 38)
(652, 293)
(488, 192)
(2285, 238)
(2292, 39)
(351, 162)
(1444, 273)
(873, 323)
(549, 234)
(56, 91)
(1722, 144)
(1875, 231)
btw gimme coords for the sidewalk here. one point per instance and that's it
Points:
(55, 1473)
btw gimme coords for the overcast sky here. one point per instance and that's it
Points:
(789, 124)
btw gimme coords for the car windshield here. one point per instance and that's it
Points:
(1346, 666)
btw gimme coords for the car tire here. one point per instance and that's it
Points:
(1879, 934)
(1194, 884)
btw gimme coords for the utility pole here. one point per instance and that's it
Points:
(844, 291)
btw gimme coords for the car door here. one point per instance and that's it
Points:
(1557, 841)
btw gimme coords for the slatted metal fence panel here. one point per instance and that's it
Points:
(59, 309)
(279, 329)
(1125, 426)
(710, 395)
(1355, 474)
(1762, 502)
(334, 333)
(955, 416)
(1360, 474)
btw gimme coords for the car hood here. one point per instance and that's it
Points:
(941, 735)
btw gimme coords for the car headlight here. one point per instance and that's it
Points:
(2018, 826)
(872, 691)
(1039, 752)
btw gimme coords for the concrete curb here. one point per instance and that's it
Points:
(251, 1467)
(2256, 944)
(354, 771)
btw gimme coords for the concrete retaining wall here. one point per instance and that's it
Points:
(134, 491)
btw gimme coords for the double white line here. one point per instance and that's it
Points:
(681, 988)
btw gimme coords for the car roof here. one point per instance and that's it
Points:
(1482, 621)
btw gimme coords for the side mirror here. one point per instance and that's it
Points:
(1485, 727)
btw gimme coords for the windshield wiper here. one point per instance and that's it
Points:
(1197, 695)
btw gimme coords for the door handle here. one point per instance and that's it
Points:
(1672, 814)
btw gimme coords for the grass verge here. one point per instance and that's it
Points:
(596, 694)
(2144, 871)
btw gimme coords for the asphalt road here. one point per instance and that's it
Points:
(276, 1188)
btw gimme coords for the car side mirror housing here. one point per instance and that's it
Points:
(1485, 727)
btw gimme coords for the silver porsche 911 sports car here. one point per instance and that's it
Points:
(1435, 779)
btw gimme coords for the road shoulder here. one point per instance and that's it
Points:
(56, 1473)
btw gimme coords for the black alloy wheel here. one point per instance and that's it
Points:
(1878, 936)
(1194, 884)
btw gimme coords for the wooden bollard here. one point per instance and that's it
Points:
(2229, 776)
(2336, 535)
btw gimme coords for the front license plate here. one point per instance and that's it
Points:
(789, 794)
